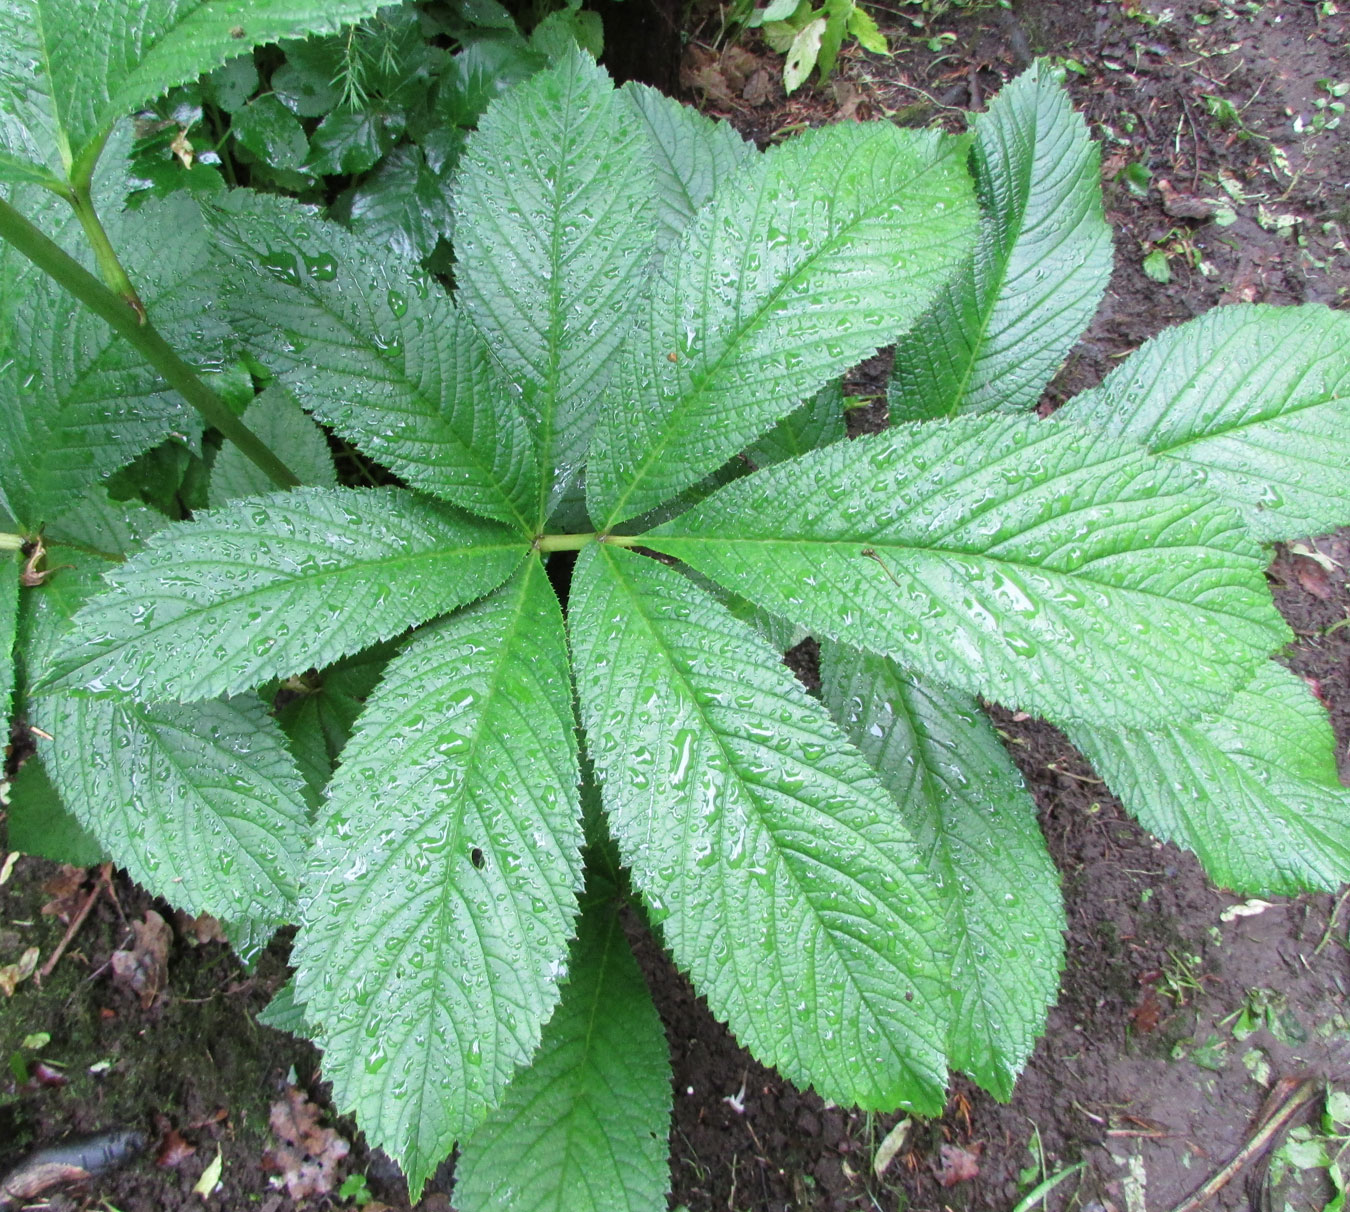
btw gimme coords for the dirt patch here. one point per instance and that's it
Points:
(1173, 1024)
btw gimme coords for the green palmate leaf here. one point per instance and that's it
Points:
(36, 822)
(376, 350)
(1008, 557)
(76, 401)
(995, 338)
(200, 803)
(816, 423)
(1252, 789)
(291, 435)
(691, 155)
(966, 804)
(275, 585)
(69, 71)
(319, 720)
(442, 883)
(804, 262)
(1256, 398)
(553, 230)
(774, 862)
(585, 1126)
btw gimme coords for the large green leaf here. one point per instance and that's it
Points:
(691, 155)
(1008, 557)
(76, 401)
(9, 621)
(442, 882)
(776, 865)
(816, 423)
(200, 803)
(965, 803)
(806, 261)
(70, 69)
(376, 350)
(585, 1126)
(1256, 399)
(1252, 789)
(289, 434)
(997, 335)
(274, 585)
(553, 231)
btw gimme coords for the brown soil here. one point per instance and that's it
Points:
(1140, 1076)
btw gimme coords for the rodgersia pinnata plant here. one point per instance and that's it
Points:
(516, 658)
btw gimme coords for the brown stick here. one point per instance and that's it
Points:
(75, 923)
(1279, 1118)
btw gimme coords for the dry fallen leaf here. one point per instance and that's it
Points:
(66, 888)
(11, 975)
(958, 1164)
(201, 929)
(308, 1155)
(145, 968)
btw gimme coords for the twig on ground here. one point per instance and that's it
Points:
(1278, 1119)
(76, 922)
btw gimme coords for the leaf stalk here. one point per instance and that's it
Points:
(546, 543)
(143, 336)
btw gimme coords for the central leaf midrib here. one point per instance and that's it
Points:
(733, 765)
(659, 543)
(737, 334)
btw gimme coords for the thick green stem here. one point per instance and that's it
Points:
(575, 542)
(12, 542)
(124, 321)
(109, 267)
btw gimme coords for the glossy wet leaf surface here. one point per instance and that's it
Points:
(270, 586)
(1009, 557)
(1252, 789)
(976, 825)
(585, 1127)
(775, 864)
(442, 883)
(1254, 399)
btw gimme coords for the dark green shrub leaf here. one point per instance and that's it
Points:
(352, 142)
(771, 293)
(376, 350)
(403, 205)
(970, 813)
(775, 864)
(1257, 399)
(272, 586)
(66, 77)
(553, 230)
(1252, 789)
(997, 335)
(266, 129)
(443, 878)
(1009, 557)
(585, 1127)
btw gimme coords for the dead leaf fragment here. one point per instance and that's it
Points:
(201, 929)
(891, 1144)
(958, 1165)
(308, 1155)
(145, 968)
(66, 888)
(12, 975)
(210, 1178)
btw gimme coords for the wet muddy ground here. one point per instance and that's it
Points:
(1179, 1023)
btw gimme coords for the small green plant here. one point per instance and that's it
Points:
(517, 659)
(811, 37)
(1323, 1147)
